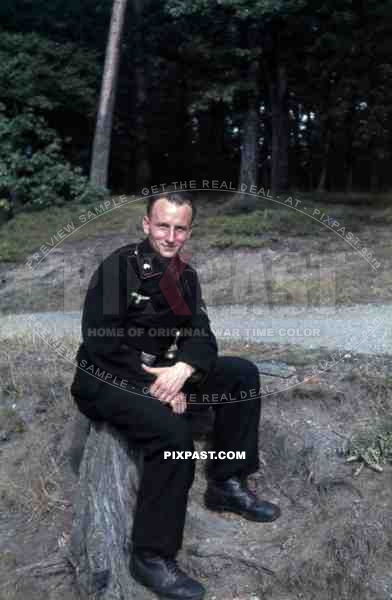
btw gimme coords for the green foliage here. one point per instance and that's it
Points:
(195, 57)
(242, 9)
(45, 178)
(85, 22)
(43, 85)
(372, 447)
(36, 72)
(5, 210)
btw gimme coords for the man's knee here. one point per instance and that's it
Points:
(242, 368)
(248, 368)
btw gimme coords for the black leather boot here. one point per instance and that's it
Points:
(233, 495)
(164, 577)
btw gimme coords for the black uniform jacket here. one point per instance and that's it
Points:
(136, 301)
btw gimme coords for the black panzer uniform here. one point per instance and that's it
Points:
(136, 303)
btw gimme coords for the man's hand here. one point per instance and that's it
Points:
(169, 382)
(179, 403)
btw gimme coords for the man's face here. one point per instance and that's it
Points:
(168, 227)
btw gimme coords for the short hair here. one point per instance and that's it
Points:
(179, 197)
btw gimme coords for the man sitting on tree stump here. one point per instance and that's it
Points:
(142, 299)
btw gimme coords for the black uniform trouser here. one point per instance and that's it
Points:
(151, 425)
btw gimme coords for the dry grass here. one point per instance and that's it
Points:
(340, 565)
(34, 490)
(340, 541)
(15, 245)
(34, 388)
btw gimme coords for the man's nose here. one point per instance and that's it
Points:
(171, 235)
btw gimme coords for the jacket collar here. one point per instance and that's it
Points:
(150, 263)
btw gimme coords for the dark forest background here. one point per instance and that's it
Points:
(290, 95)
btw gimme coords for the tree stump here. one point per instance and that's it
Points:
(99, 547)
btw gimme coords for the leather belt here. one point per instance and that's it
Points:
(166, 359)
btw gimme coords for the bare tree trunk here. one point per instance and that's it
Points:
(275, 74)
(324, 169)
(374, 175)
(349, 154)
(278, 89)
(249, 154)
(248, 174)
(142, 161)
(349, 180)
(211, 140)
(103, 129)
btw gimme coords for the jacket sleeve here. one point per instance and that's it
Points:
(197, 345)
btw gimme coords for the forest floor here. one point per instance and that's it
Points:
(333, 539)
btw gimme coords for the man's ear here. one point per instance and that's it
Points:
(146, 224)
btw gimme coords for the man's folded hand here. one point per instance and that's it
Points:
(179, 403)
(169, 383)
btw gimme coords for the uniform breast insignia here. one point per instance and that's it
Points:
(137, 298)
